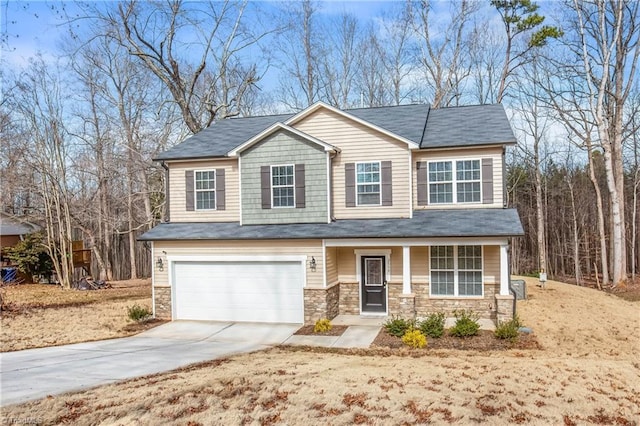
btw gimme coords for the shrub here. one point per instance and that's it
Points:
(322, 326)
(415, 339)
(466, 324)
(433, 325)
(138, 313)
(508, 329)
(397, 326)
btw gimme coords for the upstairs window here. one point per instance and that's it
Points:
(368, 183)
(454, 182)
(205, 189)
(283, 186)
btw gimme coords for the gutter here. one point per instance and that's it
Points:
(167, 200)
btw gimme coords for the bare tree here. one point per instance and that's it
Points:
(441, 57)
(39, 101)
(300, 81)
(214, 84)
(339, 65)
(608, 48)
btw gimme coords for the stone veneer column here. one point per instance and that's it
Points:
(162, 302)
(504, 307)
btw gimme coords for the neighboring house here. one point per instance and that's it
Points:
(12, 231)
(374, 211)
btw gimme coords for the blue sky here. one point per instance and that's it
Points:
(29, 27)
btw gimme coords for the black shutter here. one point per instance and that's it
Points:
(265, 186)
(299, 180)
(487, 180)
(386, 179)
(422, 185)
(350, 184)
(189, 191)
(220, 190)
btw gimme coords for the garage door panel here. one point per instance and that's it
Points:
(239, 291)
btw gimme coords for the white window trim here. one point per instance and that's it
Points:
(196, 190)
(454, 181)
(456, 292)
(293, 186)
(369, 183)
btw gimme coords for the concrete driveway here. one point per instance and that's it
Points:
(36, 373)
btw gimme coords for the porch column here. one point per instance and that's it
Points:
(504, 270)
(406, 270)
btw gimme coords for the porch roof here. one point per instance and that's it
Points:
(424, 224)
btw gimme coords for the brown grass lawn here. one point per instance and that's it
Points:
(46, 315)
(588, 372)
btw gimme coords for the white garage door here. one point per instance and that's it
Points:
(269, 291)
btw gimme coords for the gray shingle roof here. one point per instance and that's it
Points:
(467, 126)
(11, 226)
(406, 121)
(424, 224)
(221, 137)
(445, 127)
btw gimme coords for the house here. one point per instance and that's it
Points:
(376, 211)
(13, 230)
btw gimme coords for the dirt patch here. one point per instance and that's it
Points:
(46, 315)
(484, 341)
(307, 330)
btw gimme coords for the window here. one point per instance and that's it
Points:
(456, 270)
(468, 181)
(282, 186)
(205, 189)
(465, 178)
(368, 183)
(440, 182)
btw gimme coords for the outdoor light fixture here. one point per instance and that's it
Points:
(312, 264)
(159, 264)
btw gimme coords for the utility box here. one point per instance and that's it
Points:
(520, 288)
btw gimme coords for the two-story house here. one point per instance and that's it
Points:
(373, 211)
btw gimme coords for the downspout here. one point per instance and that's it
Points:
(511, 290)
(167, 209)
(504, 178)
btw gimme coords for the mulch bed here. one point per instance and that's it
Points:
(484, 341)
(307, 330)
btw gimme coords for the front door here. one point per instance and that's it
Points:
(374, 285)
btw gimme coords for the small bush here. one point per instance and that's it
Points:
(466, 324)
(138, 314)
(433, 325)
(322, 326)
(397, 326)
(508, 329)
(414, 339)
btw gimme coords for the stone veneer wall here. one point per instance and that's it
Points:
(321, 303)
(485, 307)
(162, 302)
(349, 299)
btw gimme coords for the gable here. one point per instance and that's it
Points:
(357, 121)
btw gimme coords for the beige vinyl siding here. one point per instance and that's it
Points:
(177, 192)
(420, 264)
(310, 248)
(491, 267)
(358, 143)
(347, 263)
(332, 265)
(462, 154)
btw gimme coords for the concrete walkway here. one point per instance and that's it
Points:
(356, 336)
(36, 373)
